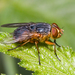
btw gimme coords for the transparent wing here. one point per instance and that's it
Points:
(10, 39)
(17, 24)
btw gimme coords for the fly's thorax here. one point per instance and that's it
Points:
(39, 37)
(44, 37)
(43, 28)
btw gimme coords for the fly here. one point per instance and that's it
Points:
(35, 33)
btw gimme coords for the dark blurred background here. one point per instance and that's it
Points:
(12, 11)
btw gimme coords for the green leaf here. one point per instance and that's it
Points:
(50, 65)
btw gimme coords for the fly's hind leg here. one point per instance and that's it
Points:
(19, 45)
(51, 43)
(38, 52)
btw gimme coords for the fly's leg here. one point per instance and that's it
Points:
(14, 48)
(56, 43)
(51, 43)
(19, 45)
(38, 52)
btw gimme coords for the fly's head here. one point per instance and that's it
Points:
(56, 32)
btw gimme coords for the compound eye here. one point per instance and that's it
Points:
(54, 32)
(55, 25)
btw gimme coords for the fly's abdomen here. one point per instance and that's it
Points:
(19, 31)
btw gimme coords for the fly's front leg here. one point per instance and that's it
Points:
(51, 43)
(56, 43)
(38, 52)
